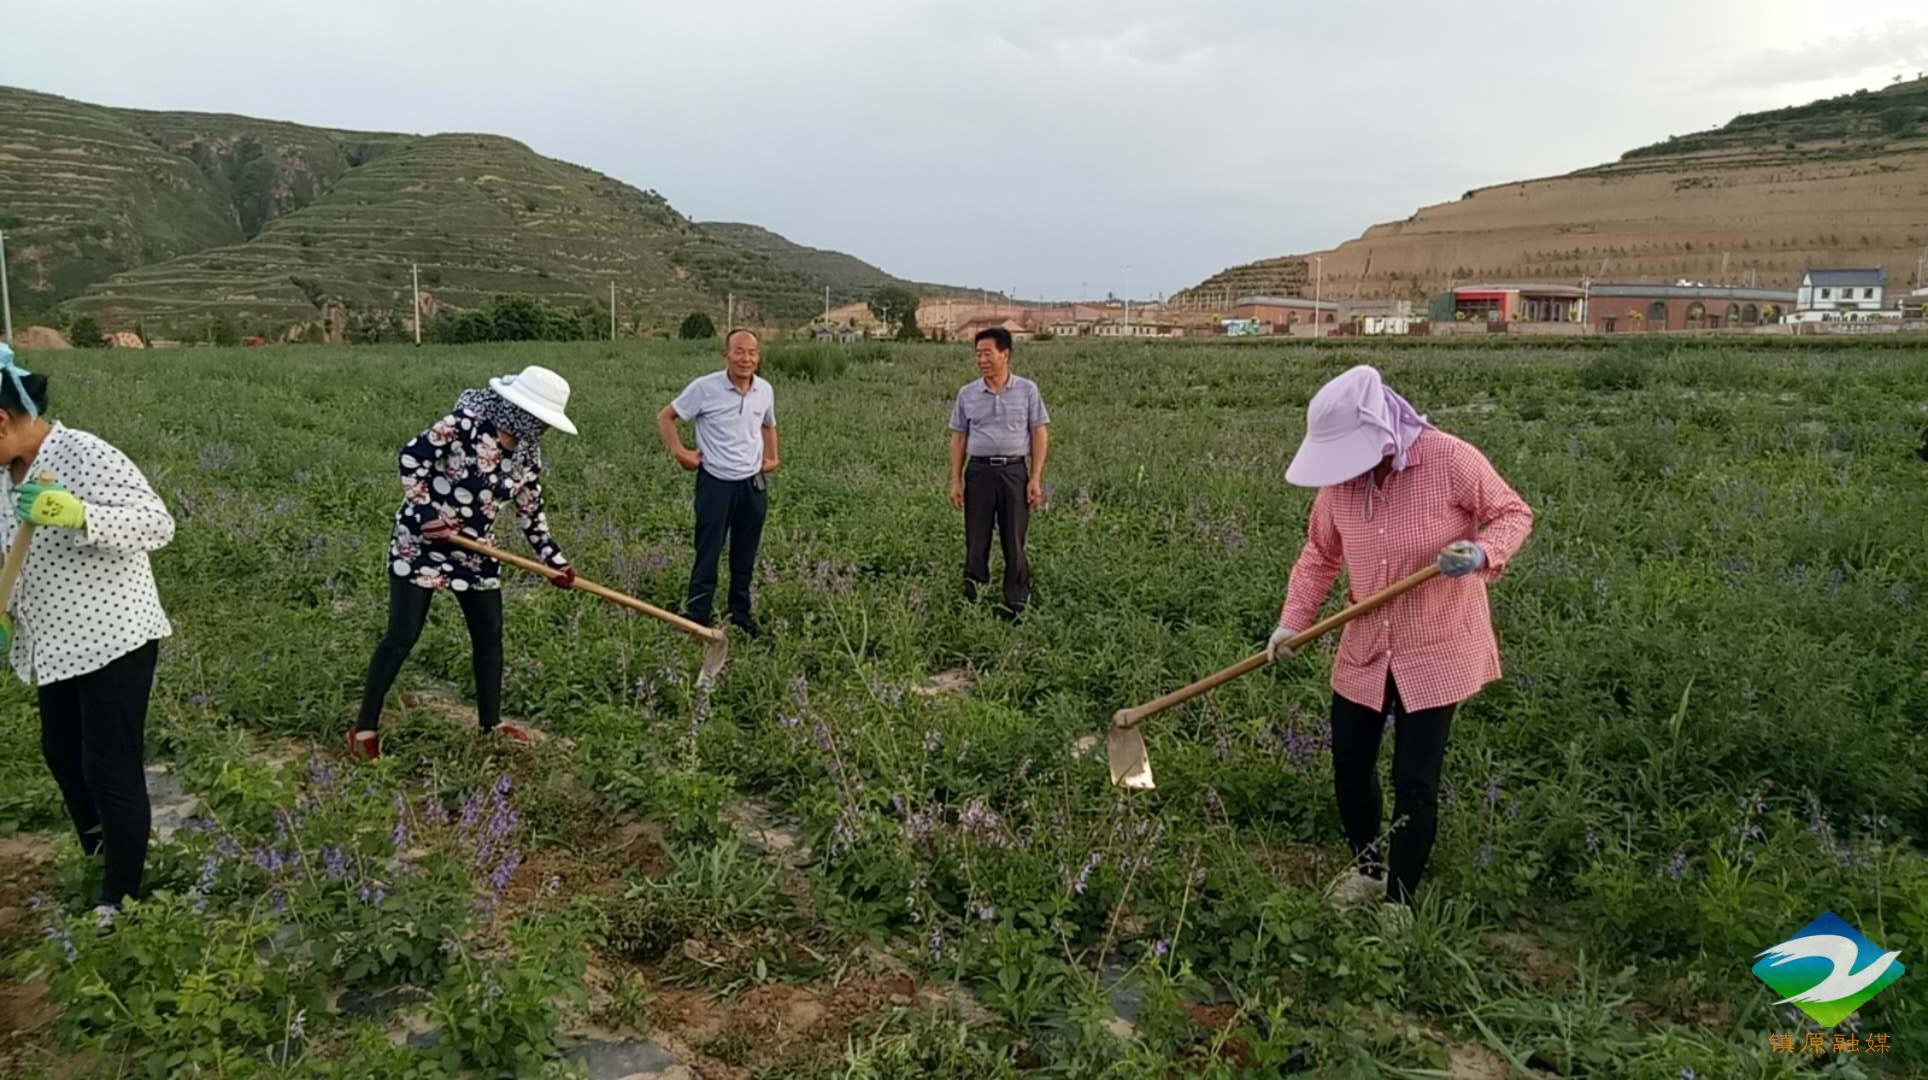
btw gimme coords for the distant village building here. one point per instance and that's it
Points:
(1108, 328)
(1826, 295)
(1517, 303)
(970, 328)
(1915, 305)
(842, 333)
(1619, 308)
(1280, 312)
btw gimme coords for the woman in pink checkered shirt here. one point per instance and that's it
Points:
(1396, 493)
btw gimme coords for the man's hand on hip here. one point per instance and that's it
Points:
(690, 460)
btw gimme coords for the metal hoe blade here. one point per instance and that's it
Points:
(1130, 764)
(715, 654)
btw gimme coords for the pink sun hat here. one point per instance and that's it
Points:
(1351, 425)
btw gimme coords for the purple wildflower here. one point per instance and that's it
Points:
(334, 862)
(499, 880)
(278, 900)
(1513, 809)
(800, 691)
(1493, 790)
(268, 859)
(821, 733)
(398, 839)
(320, 773)
(1160, 947)
(937, 942)
(986, 913)
(210, 868)
(1678, 866)
(57, 933)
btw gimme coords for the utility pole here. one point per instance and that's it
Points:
(826, 305)
(729, 314)
(415, 276)
(612, 311)
(1318, 283)
(6, 301)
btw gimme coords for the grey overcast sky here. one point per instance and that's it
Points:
(1077, 146)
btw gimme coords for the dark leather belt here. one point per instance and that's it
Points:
(998, 460)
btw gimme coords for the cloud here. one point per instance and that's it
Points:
(1880, 52)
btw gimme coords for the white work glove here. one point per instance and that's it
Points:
(1275, 647)
(1460, 558)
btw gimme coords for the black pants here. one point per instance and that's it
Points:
(994, 495)
(1418, 750)
(93, 733)
(730, 510)
(407, 611)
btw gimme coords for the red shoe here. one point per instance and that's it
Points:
(364, 745)
(514, 732)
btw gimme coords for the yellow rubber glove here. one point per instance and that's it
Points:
(49, 504)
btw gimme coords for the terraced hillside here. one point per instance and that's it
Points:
(1840, 182)
(87, 191)
(848, 277)
(482, 215)
(171, 221)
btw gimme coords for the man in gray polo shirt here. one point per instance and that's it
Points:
(999, 436)
(734, 412)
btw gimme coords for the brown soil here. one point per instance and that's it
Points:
(1541, 965)
(26, 861)
(1301, 866)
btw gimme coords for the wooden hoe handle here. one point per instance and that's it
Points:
(17, 551)
(1127, 718)
(697, 630)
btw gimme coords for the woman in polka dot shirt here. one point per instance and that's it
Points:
(84, 623)
(469, 466)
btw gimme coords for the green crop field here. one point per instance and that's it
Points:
(874, 852)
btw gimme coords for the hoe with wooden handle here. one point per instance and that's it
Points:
(1125, 744)
(716, 647)
(17, 553)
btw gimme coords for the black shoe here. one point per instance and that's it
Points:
(748, 627)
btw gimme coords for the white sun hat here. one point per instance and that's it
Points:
(539, 392)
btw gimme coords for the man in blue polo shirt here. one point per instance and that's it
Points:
(999, 435)
(734, 413)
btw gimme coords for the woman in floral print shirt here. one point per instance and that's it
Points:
(471, 465)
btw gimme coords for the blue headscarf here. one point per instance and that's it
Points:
(14, 373)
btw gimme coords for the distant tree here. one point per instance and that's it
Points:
(897, 307)
(696, 327)
(84, 333)
(518, 318)
(222, 332)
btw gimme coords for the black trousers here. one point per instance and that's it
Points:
(93, 733)
(994, 495)
(730, 510)
(407, 611)
(1418, 751)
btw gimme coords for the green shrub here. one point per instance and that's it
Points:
(814, 361)
(697, 326)
(84, 333)
(1619, 370)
